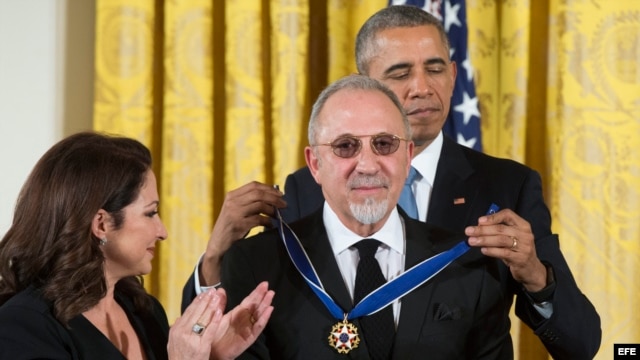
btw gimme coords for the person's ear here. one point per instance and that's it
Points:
(100, 224)
(454, 71)
(313, 162)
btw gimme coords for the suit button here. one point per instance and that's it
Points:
(549, 336)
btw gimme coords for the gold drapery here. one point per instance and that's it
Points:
(559, 84)
(221, 91)
(593, 132)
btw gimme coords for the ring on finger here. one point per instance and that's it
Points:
(252, 319)
(198, 328)
(514, 245)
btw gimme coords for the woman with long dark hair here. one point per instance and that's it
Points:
(85, 229)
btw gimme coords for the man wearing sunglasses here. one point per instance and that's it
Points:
(407, 49)
(326, 268)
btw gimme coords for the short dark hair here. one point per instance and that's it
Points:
(389, 18)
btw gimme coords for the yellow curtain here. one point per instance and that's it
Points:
(500, 49)
(344, 20)
(559, 84)
(593, 133)
(221, 91)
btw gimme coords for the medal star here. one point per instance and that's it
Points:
(344, 337)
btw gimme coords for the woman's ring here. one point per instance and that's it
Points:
(198, 328)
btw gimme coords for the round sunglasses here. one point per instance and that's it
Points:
(349, 146)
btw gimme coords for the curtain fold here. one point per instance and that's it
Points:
(289, 85)
(247, 60)
(594, 154)
(221, 92)
(559, 85)
(344, 20)
(124, 68)
(187, 134)
(124, 76)
(499, 42)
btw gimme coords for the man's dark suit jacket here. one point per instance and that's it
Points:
(465, 185)
(458, 314)
(28, 330)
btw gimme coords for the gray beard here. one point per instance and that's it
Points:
(370, 211)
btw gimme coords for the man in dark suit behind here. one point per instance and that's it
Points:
(360, 152)
(407, 49)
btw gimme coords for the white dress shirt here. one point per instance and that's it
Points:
(390, 254)
(426, 163)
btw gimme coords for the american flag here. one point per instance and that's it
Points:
(463, 122)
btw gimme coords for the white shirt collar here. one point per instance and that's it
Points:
(427, 161)
(341, 238)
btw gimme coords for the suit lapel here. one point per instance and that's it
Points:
(452, 196)
(321, 256)
(413, 309)
(313, 237)
(416, 305)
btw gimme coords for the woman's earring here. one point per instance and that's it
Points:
(103, 241)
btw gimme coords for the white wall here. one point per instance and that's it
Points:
(41, 98)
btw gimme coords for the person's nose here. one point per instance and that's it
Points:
(162, 231)
(420, 86)
(367, 159)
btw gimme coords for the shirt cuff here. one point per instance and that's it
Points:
(542, 300)
(545, 309)
(196, 279)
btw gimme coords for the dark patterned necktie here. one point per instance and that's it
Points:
(378, 330)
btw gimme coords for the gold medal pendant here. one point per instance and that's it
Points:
(344, 337)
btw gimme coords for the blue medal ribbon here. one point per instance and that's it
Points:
(384, 295)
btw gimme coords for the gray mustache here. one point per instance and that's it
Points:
(368, 181)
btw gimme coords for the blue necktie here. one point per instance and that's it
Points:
(407, 199)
